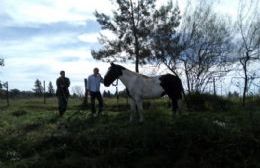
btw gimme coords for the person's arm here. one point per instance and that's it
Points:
(57, 83)
(68, 82)
(101, 78)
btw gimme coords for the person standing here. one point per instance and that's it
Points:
(62, 92)
(93, 87)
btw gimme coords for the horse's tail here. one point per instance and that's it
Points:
(182, 89)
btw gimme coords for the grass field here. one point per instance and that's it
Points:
(32, 135)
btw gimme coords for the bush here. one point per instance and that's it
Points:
(207, 102)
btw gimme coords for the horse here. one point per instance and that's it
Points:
(141, 87)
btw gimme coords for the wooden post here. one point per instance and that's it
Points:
(7, 94)
(85, 101)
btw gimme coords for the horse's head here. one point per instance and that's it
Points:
(114, 71)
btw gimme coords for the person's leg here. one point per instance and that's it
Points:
(92, 100)
(59, 104)
(100, 102)
(62, 104)
(65, 103)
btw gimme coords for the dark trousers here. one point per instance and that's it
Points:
(62, 101)
(93, 96)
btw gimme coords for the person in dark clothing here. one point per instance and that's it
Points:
(62, 92)
(93, 87)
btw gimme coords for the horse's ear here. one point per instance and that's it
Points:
(112, 63)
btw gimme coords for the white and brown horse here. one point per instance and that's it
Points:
(140, 87)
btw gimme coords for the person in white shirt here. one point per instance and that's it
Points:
(93, 87)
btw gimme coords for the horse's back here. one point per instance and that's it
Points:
(172, 85)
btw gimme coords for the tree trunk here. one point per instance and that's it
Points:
(245, 86)
(137, 64)
(187, 78)
(245, 78)
(136, 43)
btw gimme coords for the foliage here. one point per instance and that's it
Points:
(1, 62)
(51, 91)
(165, 40)
(133, 25)
(38, 88)
(32, 135)
(207, 102)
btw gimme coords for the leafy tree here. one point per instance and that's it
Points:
(51, 90)
(132, 24)
(248, 25)
(165, 40)
(38, 88)
(14, 92)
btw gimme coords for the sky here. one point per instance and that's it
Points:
(38, 38)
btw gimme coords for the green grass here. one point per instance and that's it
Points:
(32, 135)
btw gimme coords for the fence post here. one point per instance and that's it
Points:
(85, 101)
(7, 94)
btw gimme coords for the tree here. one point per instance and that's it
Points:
(38, 88)
(51, 90)
(1, 62)
(248, 25)
(206, 42)
(132, 24)
(77, 91)
(14, 92)
(165, 40)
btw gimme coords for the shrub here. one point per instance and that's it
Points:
(207, 102)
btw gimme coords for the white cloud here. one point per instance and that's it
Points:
(89, 37)
(49, 11)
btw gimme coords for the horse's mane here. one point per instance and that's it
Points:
(138, 74)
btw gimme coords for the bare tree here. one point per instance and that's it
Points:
(77, 90)
(206, 41)
(248, 24)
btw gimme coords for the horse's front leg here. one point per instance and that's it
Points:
(139, 104)
(132, 110)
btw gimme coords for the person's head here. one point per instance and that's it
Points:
(96, 71)
(62, 73)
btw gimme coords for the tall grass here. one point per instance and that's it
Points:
(33, 135)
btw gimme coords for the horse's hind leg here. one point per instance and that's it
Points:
(180, 106)
(174, 106)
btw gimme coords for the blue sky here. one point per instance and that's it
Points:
(41, 37)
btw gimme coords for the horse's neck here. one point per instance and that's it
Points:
(128, 78)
